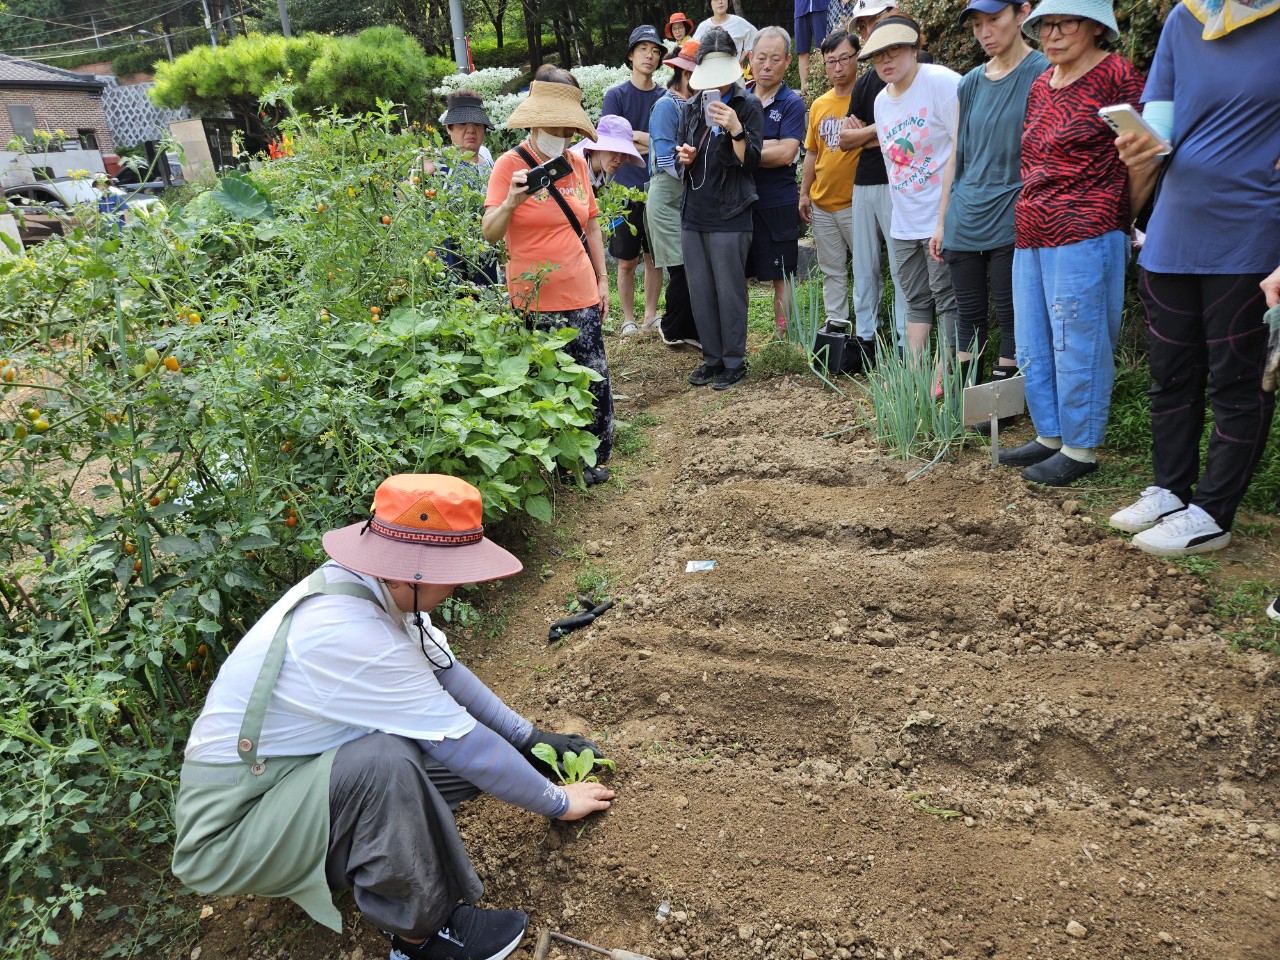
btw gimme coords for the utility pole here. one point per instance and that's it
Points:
(208, 24)
(459, 35)
(284, 19)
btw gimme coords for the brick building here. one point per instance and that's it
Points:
(38, 97)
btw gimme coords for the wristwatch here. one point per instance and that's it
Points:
(740, 135)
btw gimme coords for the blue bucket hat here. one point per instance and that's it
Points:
(990, 7)
(1099, 11)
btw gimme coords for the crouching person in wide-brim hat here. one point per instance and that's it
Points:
(341, 734)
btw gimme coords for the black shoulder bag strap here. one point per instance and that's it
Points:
(564, 208)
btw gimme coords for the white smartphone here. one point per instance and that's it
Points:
(1124, 119)
(707, 100)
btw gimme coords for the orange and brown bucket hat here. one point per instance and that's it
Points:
(425, 528)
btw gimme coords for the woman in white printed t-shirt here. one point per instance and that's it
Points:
(743, 33)
(916, 122)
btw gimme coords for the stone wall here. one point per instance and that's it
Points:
(132, 116)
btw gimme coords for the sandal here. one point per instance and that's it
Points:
(652, 325)
(629, 329)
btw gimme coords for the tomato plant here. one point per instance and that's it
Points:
(151, 518)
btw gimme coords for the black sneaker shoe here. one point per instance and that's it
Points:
(593, 475)
(728, 377)
(471, 934)
(705, 374)
(1026, 455)
(1058, 471)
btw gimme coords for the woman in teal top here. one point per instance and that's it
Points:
(975, 221)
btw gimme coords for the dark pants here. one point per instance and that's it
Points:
(974, 274)
(677, 317)
(392, 839)
(716, 265)
(1206, 335)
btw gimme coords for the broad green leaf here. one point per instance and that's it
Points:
(238, 196)
(539, 508)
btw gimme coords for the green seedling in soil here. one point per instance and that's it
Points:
(918, 801)
(572, 767)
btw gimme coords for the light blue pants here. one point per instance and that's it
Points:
(1067, 304)
(872, 221)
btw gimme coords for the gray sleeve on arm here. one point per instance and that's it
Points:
(483, 758)
(483, 704)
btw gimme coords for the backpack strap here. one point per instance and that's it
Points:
(256, 711)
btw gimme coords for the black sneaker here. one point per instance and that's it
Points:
(471, 934)
(705, 374)
(1058, 470)
(729, 377)
(1027, 455)
(593, 475)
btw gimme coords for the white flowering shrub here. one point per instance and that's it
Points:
(488, 83)
(491, 83)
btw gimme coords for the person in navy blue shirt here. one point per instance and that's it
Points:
(634, 99)
(811, 30)
(775, 217)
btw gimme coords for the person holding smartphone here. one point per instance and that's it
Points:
(1212, 239)
(1071, 240)
(556, 269)
(719, 150)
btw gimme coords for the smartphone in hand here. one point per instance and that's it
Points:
(1122, 118)
(541, 177)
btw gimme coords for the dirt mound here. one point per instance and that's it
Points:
(950, 717)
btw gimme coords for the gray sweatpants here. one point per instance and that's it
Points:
(926, 283)
(392, 838)
(715, 265)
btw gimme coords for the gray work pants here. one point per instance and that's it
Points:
(715, 265)
(392, 839)
(926, 283)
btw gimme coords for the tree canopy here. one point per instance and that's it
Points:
(349, 73)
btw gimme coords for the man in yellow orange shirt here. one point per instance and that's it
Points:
(826, 186)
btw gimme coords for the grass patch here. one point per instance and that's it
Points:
(629, 436)
(1245, 605)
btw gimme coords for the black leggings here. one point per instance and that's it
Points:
(973, 274)
(1207, 338)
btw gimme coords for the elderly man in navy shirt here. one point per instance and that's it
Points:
(775, 216)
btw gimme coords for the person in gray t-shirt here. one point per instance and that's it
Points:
(975, 222)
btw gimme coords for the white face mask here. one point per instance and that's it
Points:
(549, 146)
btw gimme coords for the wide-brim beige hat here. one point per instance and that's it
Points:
(552, 105)
(715, 70)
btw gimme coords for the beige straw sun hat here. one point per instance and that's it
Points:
(552, 105)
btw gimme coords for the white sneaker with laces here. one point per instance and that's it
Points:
(1154, 505)
(1182, 534)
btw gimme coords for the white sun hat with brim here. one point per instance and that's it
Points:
(716, 70)
(552, 105)
(1099, 11)
(894, 32)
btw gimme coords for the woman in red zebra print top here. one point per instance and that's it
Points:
(1072, 222)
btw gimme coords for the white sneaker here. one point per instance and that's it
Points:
(1154, 505)
(1273, 611)
(1183, 533)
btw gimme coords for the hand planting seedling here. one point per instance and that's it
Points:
(572, 767)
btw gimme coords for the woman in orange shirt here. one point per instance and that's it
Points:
(556, 270)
